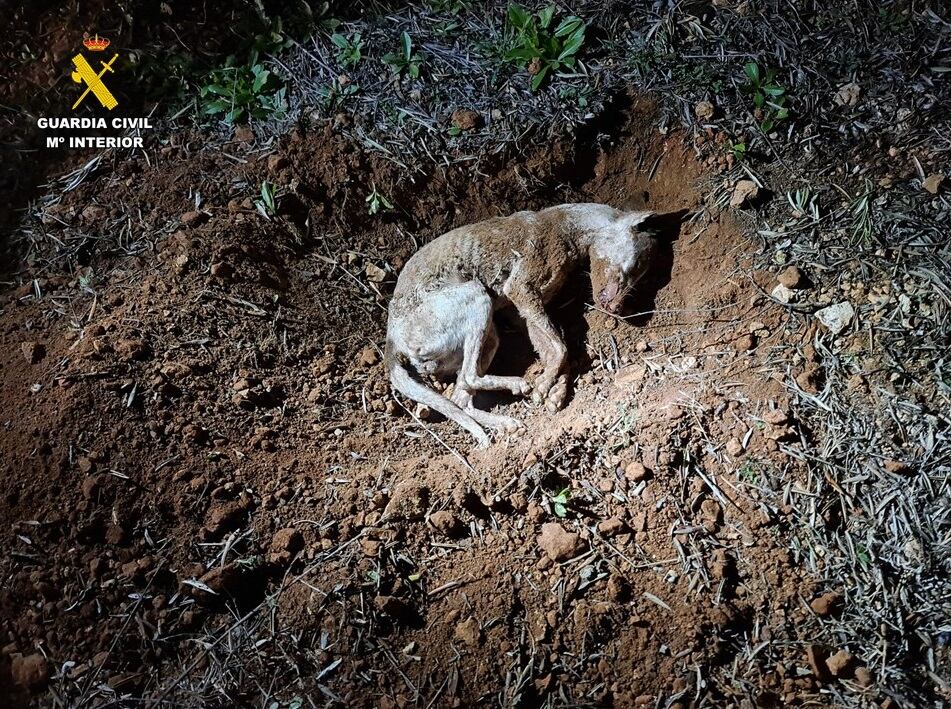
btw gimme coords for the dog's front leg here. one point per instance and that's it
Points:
(551, 387)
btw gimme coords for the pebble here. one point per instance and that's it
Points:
(285, 544)
(409, 501)
(744, 192)
(635, 471)
(836, 317)
(469, 632)
(465, 119)
(932, 183)
(826, 604)
(841, 664)
(792, 278)
(558, 543)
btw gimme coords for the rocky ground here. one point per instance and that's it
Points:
(212, 497)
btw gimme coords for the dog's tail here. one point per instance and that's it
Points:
(409, 386)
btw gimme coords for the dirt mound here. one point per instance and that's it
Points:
(201, 442)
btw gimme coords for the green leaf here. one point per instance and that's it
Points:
(573, 44)
(217, 107)
(569, 25)
(545, 16)
(518, 17)
(752, 72)
(414, 70)
(259, 81)
(407, 46)
(539, 77)
(773, 90)
(758, 100)
(340, 41)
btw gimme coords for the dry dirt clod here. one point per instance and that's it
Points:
(447, 524)
(408, 502)
(848, 94)
(841, 664)
(826, 604)
(285, 544)
(744, 192)
(465, 119)
(704, 110)
(368, 356)
(558, 543)
(31, 672)
(932, 183)
(863, 677)
(783, 293)
(468, 632)
(33, 352)
(792, 278)
(635, 471)
(745, 343)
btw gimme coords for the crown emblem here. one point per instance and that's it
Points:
(96, 44)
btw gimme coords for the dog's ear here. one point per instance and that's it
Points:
(633, 219)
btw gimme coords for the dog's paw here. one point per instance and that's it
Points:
(556, 394)
(520, 386)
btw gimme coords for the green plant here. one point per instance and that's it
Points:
(267, 205)
(535, 45)
(559, 502)
(349, 49)
(240, 91)
(376, 201)
(738, 150)
(405, 59)
(768, 96)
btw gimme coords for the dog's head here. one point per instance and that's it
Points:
(619, 259)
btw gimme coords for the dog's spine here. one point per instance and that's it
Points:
(409, 386)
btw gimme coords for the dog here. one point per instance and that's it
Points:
(440, 319)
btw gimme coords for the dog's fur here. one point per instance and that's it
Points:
(440, 316)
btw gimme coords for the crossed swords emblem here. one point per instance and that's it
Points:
(85, 74)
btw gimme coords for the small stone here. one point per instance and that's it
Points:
(611, 527)
(782, 293)
(469, 632)
(222, 580)
(848, 94)
(276, 163)
(374, 273)
(745, 343)
(391, 606)
(466, 119)
(33, 352)
(744, 192)
(368, 356)
(792, 278)
(863, 677)
(841, 664)
(31, 672)
(932, 183)
(635, 471)
(836, 317)
(734, 447)
(285, 544)
(704, 110)
(558, 543)
(826, 604)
